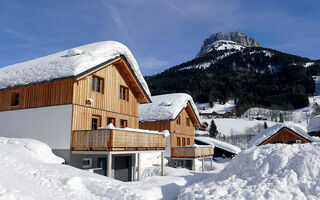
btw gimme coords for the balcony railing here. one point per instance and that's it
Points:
(192, 152)
(116, 140)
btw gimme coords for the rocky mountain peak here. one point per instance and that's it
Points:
(236, 36)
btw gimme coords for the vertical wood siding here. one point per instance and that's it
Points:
(39, 95)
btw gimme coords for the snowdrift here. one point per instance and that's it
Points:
(29, 170)
(268, 172)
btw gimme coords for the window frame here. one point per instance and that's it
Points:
(122, 125)
(188, 121)
(88, 165)
(15, 99)
(124, 93)
(94, 86)
(178, 141)
(112, 118)
(183, 141)
(98, 117)
(179, 120)
(188, 141)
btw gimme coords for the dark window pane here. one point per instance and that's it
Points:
(98, 85)
(93, 81)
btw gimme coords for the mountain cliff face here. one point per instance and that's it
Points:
(236, 36)
(251, 75)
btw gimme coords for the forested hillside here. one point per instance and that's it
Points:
(253, 76)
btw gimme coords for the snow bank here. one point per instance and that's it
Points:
(267, 172)
(267, 133)
(29, 170)
(314, 124)
(67, 63)
(165, 107)
(220, 144)
(34, 148)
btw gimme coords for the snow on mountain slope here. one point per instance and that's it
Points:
(277, 171)
(224, 45)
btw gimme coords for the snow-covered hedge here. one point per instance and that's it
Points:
(275, 171)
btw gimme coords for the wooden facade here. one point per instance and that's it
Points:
(285, 136)
(181, 133)
(110, 91)
(191, 152)
(116, 140)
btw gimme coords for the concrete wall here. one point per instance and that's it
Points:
(51, 125)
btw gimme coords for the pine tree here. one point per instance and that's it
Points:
(213, 130)
(265, 125)
(281, 118)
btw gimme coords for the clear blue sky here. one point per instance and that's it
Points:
(160, 33)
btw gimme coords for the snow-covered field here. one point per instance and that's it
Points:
(218, 107)
(230, 126)
(29, 170)
(268, 172)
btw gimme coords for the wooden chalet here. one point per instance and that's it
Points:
(177, 114)
(314, 126)
(100, 84)
(281, 133)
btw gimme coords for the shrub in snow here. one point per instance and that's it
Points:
(267, 172)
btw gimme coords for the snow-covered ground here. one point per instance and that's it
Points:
(217, 107)
(29, 170)
(301, 116)
(276, 171)
(230, 126)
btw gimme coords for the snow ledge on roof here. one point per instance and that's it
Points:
(68, 63)
(220, 144)
(165, 133)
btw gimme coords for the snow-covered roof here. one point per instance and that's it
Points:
(269, 132)
(68, 63)
(220, 144)
(165, 107)
(314, 124)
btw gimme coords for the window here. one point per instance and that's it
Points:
(188, 121)
(298, 141)
(124, 93)
(277, 142)
(178, 120)
(188, 141)
(111, 120)
(87, 162)
(95, 122)
(178, 141)
(97, 84)
(15, 99)
(183, 141)
(123, 123)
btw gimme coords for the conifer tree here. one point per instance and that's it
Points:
(213, 130)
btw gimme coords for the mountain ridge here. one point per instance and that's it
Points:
(235, 36)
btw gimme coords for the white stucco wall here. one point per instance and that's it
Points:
(51, 125)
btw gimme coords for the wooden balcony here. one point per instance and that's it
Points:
(192, 152)
(116, 140)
